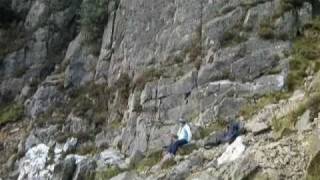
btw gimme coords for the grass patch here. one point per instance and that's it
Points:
(252, 108)
(287, 123)
(147, 75)
(305, 56)
(213, 127)
(11, 113)
(87, 149)
(266, 29)
(231, 38)
(107, 173)
(313, 170)
(149, 161)
(92, 102)
(287, 5)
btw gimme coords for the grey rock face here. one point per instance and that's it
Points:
(303, 123)
(85, 170)
(183, 169)
(245, 168)
(42, 100)
(64, 170)
(37, 15)
(110, 157)
(81, 64)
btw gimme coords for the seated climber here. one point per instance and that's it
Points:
(183, 137)
(233, 131)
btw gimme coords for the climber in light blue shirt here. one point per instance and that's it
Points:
(183, 137)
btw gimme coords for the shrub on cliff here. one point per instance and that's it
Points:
(94, 16)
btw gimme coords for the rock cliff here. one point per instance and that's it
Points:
(90, 88)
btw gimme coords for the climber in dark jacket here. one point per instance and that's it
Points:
(233, 131)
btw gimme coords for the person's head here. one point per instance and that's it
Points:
(182, 121)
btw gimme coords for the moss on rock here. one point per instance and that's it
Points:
(11, 113)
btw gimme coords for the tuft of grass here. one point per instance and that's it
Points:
(149, 161)
(107, 173)
(217, 126)
(305, 55)
(287, 123)
(147, 75)
(87, 149)
(287, 5)
(266, 29)
(93, 17)
(11, 113)
(231, 38)
(252, 108)
(313, 170)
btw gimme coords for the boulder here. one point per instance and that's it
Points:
(257, 127)
(303, 123)
(33, 164)
(234, 151)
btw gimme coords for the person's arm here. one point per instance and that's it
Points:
(174, 136)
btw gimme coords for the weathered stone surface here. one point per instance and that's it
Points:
(257, 127)
(64, 170)
(77, 125)
(233, 152)
(81, 63)
(42, 100)
(135, 158)
(85, 170)
(183, 169)
(110, 157)
(33, 165)
(303, 122)
(37, 15)
(246, 168)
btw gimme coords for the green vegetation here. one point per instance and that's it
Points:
(207, 130)
(305, 55)
(266, 29)
(314, 168)
(149, 161)
(231, 38)
(287, 123)
(253, 107)
(91, 102)
(87, 149)
(287, 5)
(147, 75)
(107, 173)
(82, 137)
(94, 16)
(11, 113)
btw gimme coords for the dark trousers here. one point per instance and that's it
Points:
(174, 146)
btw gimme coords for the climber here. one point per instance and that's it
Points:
(183, 137)
(233, 131)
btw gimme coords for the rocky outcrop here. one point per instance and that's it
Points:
(108, 79)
